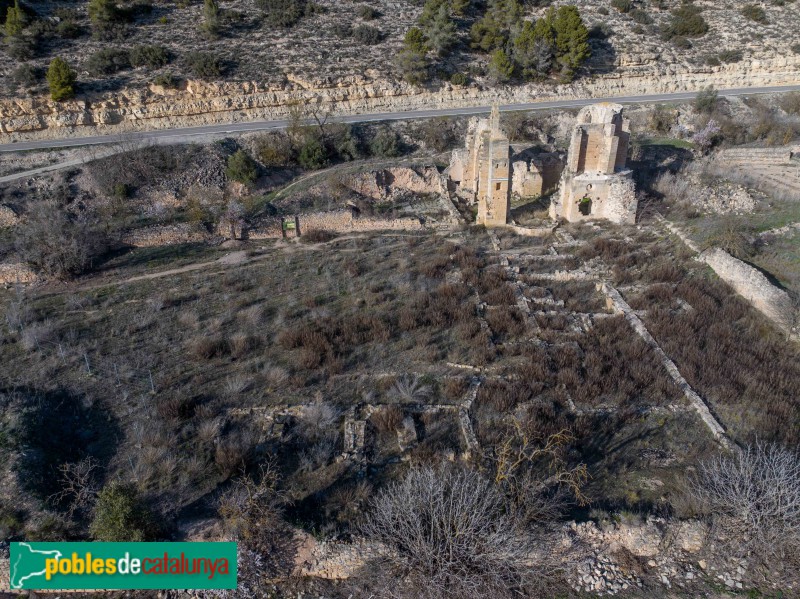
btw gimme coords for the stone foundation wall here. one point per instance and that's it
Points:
(166, 235)
(13, 273)
(754, 286)
(337, 221)
(8, 217)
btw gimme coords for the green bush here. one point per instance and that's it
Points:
(153, 57)
(313, 154)
(686, 22)
(622, 5)
(706, 101)
(367, 35)
(367, 13)
(640, 16)
(754, 13)
(241, 168)
(501, 67)
(283, 13)
(385, 144)
(342, 30)
(204, 64)
(107, 61)
(26, 75)
(120, 516)
(69, 29)
(166, 80)
(106, 18)
(729, 56)
(458, 79)
(796, 48)
(15, 20)
(275, 149)
(61, 79)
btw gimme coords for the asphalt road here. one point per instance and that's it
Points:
(188, 134)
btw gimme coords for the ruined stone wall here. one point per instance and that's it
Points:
(379, 184)
(337, 221)
(8, 217)
(168, 235)
(754, 286)
(13, 272)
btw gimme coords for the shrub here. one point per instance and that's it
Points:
(342, 30)
(459, 79)
(706, 101)
(622, 5)
(166, 80)
(413, 65)
(275, 149)
(753, 497)
(754, 13)
(56, 243)
(107, 61)
(15, 20)
(283, 13)
(105, 17)
(367, 13)
(501, 67)
(729, 56)
(69, 29)
(313, 154)
(120, 516)
(686, 22)
(204, 64)
(26, 75)
(317, 236)
(152, 57)
(61, 79)
(367, 35)
(641, 17)
(241, 168)
(385, 143)
(450, 534)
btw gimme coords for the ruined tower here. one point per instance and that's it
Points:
(483, 170)
(596, 183)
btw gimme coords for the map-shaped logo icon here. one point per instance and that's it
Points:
(28, 563)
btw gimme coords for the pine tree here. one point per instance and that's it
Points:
(572, 39)
(534, 48)
(61, 79)
(441, 31)
(210, 17)
(502, 21)
(15, 20)
(415, 40)
(501, 67)
(104, 15)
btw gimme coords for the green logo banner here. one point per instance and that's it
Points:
(118, 566)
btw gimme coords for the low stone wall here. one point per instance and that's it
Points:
(14, 272)
(754, 286)
(336, 221)
(8, 217)
(166, 235)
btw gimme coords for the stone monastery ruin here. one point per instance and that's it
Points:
(594, 184)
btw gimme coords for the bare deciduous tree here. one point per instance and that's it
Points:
(252, 513)
(79, 487)
(753, 500)
(449, 532)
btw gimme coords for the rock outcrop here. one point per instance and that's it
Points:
(205, 103)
